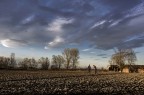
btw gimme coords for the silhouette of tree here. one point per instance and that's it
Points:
(24, 63)
(123, 56)
(12, 60)
(60, 61)
(4, 62)
(32, 63)
(55, 61)
(67, 56)
(45, 62)
(27, 63)
(131, 57)
(74, 57)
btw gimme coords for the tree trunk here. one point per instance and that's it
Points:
(67, 65)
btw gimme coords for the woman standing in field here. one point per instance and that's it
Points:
(89, 68)
(95, 68)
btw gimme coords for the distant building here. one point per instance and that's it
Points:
(141, 70)
(133, 68)
(114, 68)
(127, 68)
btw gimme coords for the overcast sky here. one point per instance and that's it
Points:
(35, 28)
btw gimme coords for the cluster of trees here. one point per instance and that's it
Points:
(31, 63)
(68, 59)
(7, 62)
(123, 57)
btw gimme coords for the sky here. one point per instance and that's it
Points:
(35, 28)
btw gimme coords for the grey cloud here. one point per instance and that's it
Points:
(120, 5)
(106, 37)
(29, 20)
(13, 43)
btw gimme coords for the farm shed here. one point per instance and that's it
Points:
(133, 68)
(141, 70)
(125, 70)
(114, 68)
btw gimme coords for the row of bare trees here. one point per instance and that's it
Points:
(4, 62)
(31, 63)
(7, 62)
(68, 59)
(123, 57)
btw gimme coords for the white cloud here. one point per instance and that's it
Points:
(50, 43)
(115, 22)
(46, 47)
(28, 19)
(58, 41)
(57, 24)
(12, 43)
(137, 10)
(134, 38)
(98, 24)
(87, 49)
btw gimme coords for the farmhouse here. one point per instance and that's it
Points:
(133, 68)
(127, 68)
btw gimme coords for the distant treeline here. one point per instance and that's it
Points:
(68, 60)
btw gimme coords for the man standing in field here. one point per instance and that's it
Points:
(95, 68)
(89, 68)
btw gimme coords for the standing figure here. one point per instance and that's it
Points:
(89, 68)
(95, 68)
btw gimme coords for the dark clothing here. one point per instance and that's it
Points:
(95, 68)
(89, 68)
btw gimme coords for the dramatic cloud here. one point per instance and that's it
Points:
(101, 24)
(121, 30)
(12, 43)
(98, 24)
(57, 42)
(57, 24)
(95, 27)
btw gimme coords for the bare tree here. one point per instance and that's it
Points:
(119, 59)
(27, 63)
(33, 63)
(122, 56)
(45, 62)
(60, 61)
(4, 62)
(12, 61)
(74, 57)
(24, 63)
(131, 57)
(67, 56)
(55, 61)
